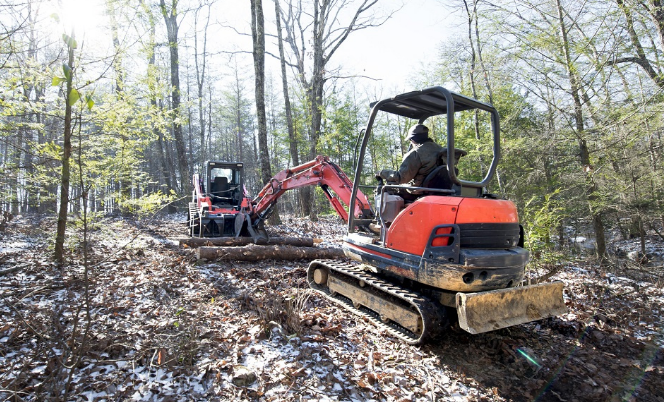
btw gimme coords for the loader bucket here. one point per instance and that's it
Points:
(487, 311)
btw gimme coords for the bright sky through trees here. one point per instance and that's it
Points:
(86, 17)
(389, 53)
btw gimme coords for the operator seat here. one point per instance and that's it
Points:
(439, 177)
(219, 189)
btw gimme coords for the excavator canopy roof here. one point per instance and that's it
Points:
(423, 104)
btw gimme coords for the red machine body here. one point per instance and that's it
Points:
(225, 209)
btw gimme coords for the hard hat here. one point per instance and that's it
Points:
(418, 133)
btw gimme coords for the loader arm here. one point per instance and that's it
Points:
(322, 172)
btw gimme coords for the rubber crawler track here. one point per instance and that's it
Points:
(430, 313)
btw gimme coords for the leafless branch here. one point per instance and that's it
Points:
(354, 25)
(235, 30)
(345, 77)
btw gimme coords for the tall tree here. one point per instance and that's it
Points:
(171, 19)
(117, 64)
(576, 89)
(555, 62)
(292, 139)
(70, 99)
(322, 25)
(166, 171)
(200, 78)
(30, 84)
(292, 136)
(655, 10)
(258, 35)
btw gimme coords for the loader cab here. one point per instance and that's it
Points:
(223, 182)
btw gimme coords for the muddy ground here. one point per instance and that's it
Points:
(152, 323)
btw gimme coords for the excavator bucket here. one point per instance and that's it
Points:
(487, 311)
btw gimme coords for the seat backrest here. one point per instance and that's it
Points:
(438, 178)
(219, 186)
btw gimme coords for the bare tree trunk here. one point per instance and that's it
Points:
(209, 121)
(239, 126)
(591, 186)
(163, 166)
(292, 138)
(315, 91)
(66, 154)
(292, 146)
(170, 18)
(258, 35)
(471, 73)
(33, 200)
(117, 62)
(190, 135)
(200, 81)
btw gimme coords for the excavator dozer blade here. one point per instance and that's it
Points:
(487, 311)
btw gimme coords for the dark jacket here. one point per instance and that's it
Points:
(418, 163)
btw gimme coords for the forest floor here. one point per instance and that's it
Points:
(162, 326)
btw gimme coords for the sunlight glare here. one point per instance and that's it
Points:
(529, 358)
(84, 17)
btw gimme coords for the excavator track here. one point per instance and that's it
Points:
(402, 313)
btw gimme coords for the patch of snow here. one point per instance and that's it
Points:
(38, 369)
(94, 396)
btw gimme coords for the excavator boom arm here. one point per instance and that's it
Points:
(320, 171)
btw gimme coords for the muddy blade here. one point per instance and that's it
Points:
(488, 311)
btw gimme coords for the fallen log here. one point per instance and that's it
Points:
(253, 252)
(9, 270)
(194, 242)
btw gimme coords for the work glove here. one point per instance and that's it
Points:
(389, 175)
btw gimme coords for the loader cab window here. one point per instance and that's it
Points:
(225, 184)
(232, 176)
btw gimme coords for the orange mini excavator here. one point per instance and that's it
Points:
(453, 254)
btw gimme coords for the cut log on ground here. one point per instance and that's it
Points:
(194, 242)
(9, 270)
(253, 252)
